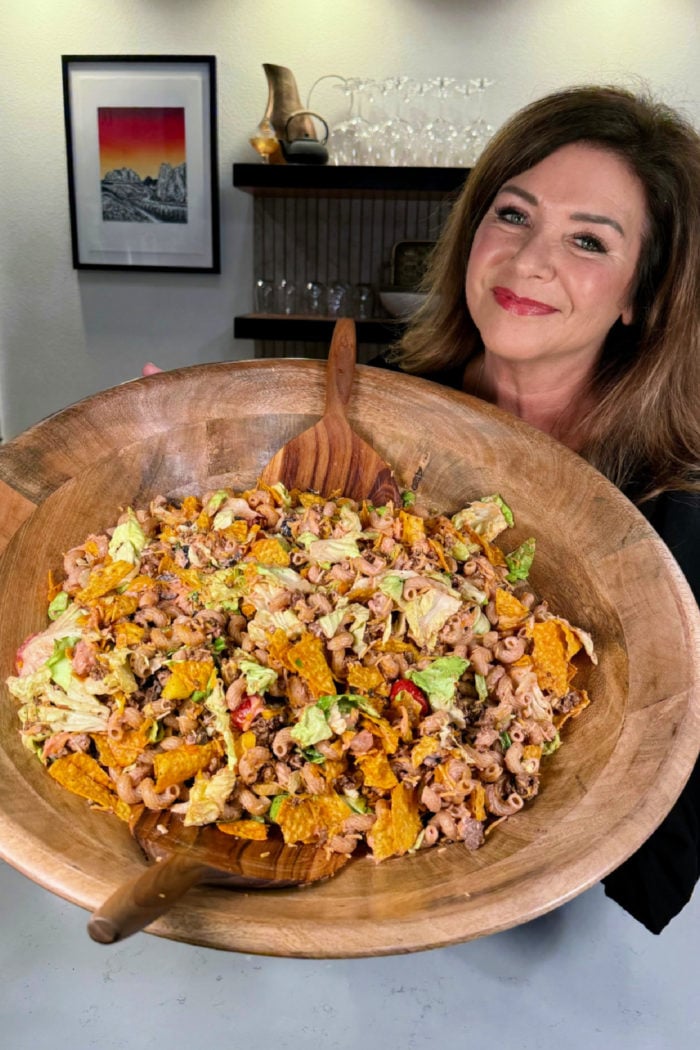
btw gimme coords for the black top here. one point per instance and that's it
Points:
(658, 880)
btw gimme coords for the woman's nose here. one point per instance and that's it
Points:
(536, 256)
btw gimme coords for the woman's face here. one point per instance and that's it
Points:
(552, 264)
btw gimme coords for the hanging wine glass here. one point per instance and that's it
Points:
(348, 140)
(394, 134)
(438, 135)
(480, 131)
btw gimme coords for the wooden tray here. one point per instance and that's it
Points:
(622, 766)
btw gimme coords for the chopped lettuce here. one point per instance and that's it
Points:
(312, 727)
(485, 517)
(392, 585)
(208, 797)
(282, 493)
(505, 509)
(128, 540)
(216, 703)
(258, 678)
(550, 746)
(58, 605)
(221, 589)
(215, 501)
(334, 550)
(481, 687)
(439, 680)
(520, 561)
(37, 649)
(427, 615)
(265, 623)
(59, 663)
(119, 676)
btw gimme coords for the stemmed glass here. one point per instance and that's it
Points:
(480, 130)
(393, 136)
(349, 139)
(438, 136)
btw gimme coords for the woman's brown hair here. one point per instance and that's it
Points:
(644, 431)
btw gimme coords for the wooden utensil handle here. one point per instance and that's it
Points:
(341, 366)
(143, 899)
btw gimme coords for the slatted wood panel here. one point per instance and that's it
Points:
(336, 238)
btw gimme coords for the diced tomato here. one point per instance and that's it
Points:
(247, 711)
(404, 685)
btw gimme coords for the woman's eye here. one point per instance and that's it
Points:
(590, 243)
(512, 215)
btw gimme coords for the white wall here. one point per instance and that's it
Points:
(65, 334)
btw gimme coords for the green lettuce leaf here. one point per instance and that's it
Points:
(439, 680)
(215, 501)
(485, 517)
(311, 728)
(520, 561)
(58, 605)
(258, 678)
(505, 509)
(208, 797)
(334, 550)
(216, 703)
(59, 663)
(128, 540)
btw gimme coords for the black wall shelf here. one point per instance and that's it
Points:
(310, 329)
(336, 180)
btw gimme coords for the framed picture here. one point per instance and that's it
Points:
(142, 162)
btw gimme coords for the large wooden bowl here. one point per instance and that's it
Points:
(624, 761)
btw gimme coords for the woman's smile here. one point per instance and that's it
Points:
(516, 304)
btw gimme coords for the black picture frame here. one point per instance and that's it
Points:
(142, 161)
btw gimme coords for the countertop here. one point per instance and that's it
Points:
(583, 977)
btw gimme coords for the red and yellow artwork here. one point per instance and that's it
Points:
(141, 138)
(143, 169)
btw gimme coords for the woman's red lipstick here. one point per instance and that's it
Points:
(522, 307)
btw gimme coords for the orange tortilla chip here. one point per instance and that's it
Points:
(509, 609)
(270, 552)
(364, 679)
(575, 711)
(126, 634)
(494, 554)
(412, 527)
(425, 747)
(114, 607)
(397, 825)
(187, 677)
(376, 770)
(551, 653)
(103, 580)
(245, 829)
(312, 818)
(384, 730)
(82, 775)
(307, 659)
(126, 750)
(176, 766)
(477, 800)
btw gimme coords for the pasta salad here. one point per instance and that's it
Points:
(278, 663)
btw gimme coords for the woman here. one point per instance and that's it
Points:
(565, 288)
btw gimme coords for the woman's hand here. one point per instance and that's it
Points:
(149, 369)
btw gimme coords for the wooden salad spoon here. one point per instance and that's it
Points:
(186, 856)
(330, 457)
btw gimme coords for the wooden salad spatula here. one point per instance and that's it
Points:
(185, 856)
(330, 457)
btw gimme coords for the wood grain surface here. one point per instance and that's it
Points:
(598, 562)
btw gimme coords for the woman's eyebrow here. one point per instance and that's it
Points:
(579, 216)
(583, 216)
